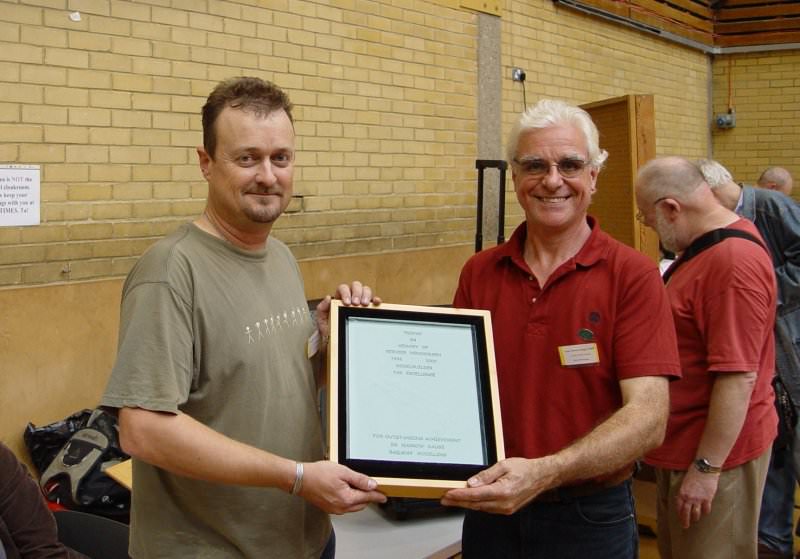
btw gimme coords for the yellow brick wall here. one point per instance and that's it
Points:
(764, 90)
(109, 107)
(386, 114)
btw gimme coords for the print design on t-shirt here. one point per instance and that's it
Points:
(285, 319)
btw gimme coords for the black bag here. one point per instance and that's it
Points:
(71, 456)
(787, 416)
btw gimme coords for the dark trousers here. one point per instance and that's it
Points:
(600, 526)
(777, 503)
(330, 548)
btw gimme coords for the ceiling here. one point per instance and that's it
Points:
(713, 23)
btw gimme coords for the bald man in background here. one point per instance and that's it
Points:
(777, 218)
(776, 178)
(710, 471)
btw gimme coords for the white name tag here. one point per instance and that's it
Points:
(578, 355)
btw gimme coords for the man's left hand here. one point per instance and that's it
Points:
(353, 294)
(695, 495)
(503, 488)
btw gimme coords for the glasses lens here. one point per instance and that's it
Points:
(538, 167)
(535, 166)
(570, 167)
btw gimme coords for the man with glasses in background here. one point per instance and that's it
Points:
(711, 468)
(777, 218)
(584, 347)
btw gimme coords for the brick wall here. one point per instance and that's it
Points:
(109, 105)
(386, 114)
(764, 90)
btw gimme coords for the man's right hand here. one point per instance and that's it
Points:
(337, 489)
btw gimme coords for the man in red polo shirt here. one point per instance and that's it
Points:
(711, 468)
(584, 346)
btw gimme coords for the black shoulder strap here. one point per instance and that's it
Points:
(707, 240)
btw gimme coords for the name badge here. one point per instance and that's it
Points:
(578, 355)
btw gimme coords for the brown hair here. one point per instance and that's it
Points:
(245, 93)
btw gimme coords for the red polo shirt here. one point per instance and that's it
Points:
(609, 295)
(723, 302)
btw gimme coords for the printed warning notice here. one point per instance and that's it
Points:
(19, 195)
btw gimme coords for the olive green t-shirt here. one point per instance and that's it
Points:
(220, 334)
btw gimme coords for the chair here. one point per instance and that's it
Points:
(95, 536)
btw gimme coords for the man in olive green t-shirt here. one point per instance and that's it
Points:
(213, 382)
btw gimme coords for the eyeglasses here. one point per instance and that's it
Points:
(640, 216)
(569, 167)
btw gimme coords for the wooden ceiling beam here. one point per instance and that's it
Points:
(731, 28)
(734, 22)
(669, 13)
(621, 9)
(758, 39)
(701, 9)
(759, 12)
(726, 4)
(705, 38)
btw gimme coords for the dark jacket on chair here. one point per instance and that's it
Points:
(27, 527)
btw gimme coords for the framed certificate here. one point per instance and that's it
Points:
(413, 396)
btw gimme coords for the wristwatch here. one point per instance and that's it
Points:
(704, 467)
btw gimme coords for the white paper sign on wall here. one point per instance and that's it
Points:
(20, 194)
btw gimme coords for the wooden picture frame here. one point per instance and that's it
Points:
(412, 395)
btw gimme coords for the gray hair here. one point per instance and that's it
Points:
(552, 112)
(714, 173)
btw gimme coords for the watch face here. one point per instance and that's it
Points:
(703, 466)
